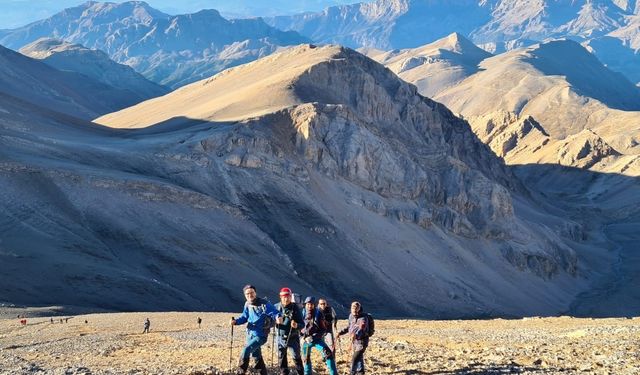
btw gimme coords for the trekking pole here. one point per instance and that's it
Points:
(273, 342)
(231, 350)
(286, 344)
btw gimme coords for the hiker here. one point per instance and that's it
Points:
(313, 333)
(258, 313)
(288, 332)
(51, 320)
(147, 324)
(358, 330)
(199, 321)
(331, 322)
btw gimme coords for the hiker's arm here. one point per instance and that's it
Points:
(242, 319)
(298, 318)
(272, 311)
(361, 328)
(344, 331)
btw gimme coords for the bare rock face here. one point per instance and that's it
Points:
(585, 149)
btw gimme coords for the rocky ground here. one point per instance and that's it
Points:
(114, 344)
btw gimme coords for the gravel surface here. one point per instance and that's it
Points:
(114, 344)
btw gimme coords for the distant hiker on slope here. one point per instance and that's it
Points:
(199, 321)
(258, 313)
(147, 324)
(359, 332)
(313, 333)
(331, 321)
(288, 332)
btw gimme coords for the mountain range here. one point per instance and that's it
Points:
(504, 181)
(553, 102)
(176, 50)
(169, 50)
(610, 27)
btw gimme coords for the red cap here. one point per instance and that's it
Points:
(285, 292)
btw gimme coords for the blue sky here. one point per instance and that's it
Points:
(14, 13)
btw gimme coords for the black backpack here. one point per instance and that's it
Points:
(371, 325)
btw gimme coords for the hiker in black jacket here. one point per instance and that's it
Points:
(332, 322)
(358, 330)
(288, 332)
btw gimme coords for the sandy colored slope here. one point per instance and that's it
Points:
(435, 66)
(246, 91)
(550, 103)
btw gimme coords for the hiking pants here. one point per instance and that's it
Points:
(357, 361)
(252, 349)
(327, 356)
(293, 346)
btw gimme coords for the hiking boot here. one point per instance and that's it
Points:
(260, 365)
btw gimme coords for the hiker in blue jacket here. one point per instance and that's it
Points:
(313, 334)
(358, 330)
(258, 313)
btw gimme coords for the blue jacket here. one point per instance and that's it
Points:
(258, 315)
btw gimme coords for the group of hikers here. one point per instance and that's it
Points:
(298, 331)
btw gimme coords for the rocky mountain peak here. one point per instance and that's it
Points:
(138, 11)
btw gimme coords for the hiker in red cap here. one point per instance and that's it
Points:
(288, 332)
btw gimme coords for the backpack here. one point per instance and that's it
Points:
(371, 325)
(269, 322)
